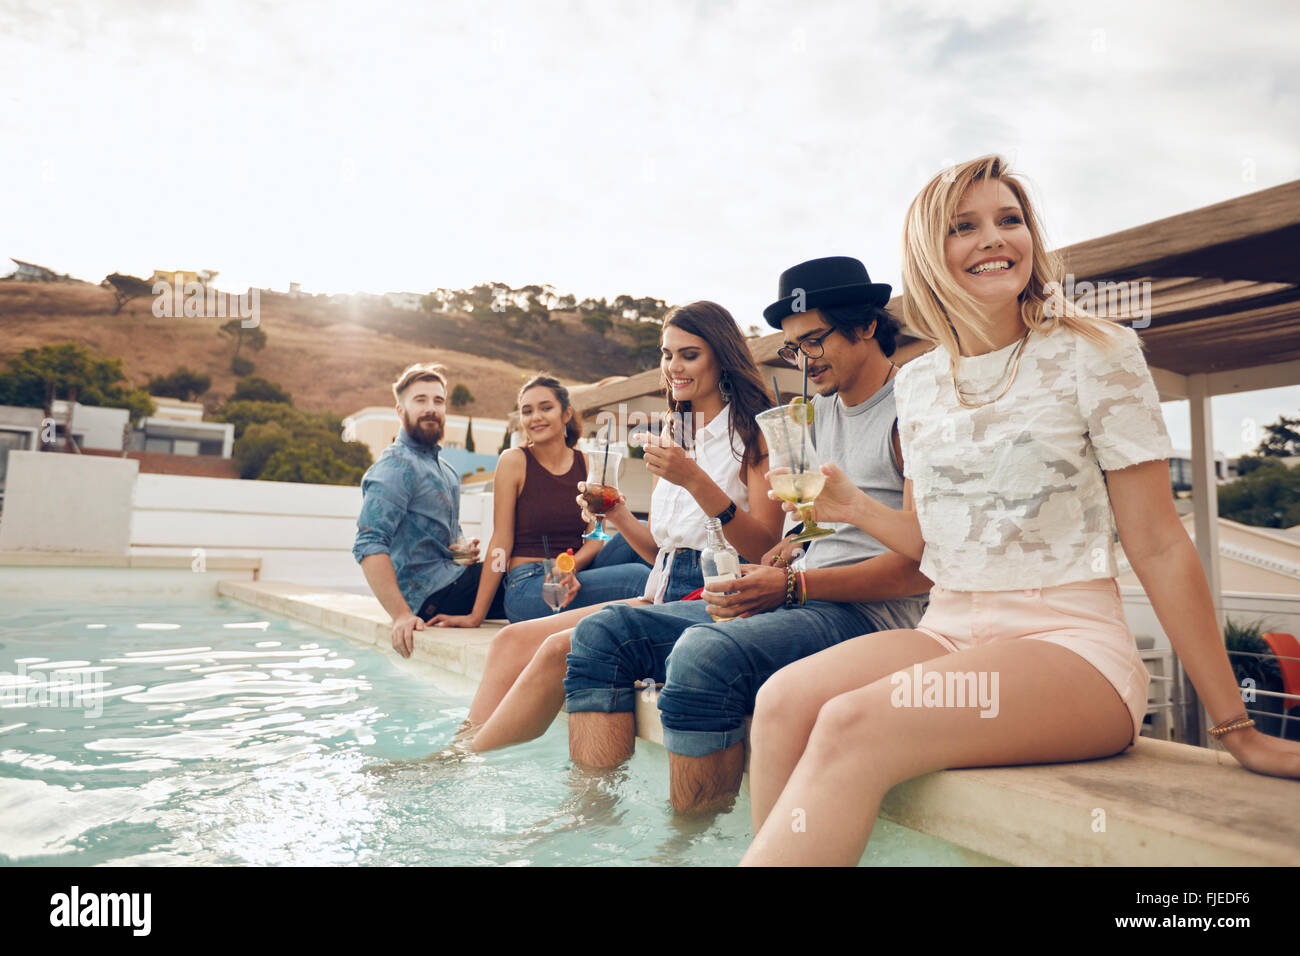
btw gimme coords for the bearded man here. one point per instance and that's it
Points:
(410, 516)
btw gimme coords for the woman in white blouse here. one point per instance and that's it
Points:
(714, 390)
(1028, 433)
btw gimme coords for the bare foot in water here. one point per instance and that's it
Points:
(455, 752)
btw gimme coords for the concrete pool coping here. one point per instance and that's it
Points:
(1158, 804)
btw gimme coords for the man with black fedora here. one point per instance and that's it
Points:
(833, 318)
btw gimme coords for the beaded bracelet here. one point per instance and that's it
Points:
(1239, 722)
(803, 589)
(790, 578)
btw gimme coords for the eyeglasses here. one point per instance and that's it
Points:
(811, 347)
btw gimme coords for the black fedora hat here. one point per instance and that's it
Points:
(820, 283)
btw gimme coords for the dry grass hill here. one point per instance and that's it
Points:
(335, 358)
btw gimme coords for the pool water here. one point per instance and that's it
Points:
(208, 733)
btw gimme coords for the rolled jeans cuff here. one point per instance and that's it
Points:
(601, 700)
(701, 743)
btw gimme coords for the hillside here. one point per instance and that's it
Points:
(335, 358)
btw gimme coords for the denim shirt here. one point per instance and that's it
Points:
(410, 510)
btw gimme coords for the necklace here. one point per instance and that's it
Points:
(892, 369)
(1014, 365)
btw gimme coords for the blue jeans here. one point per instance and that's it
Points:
(616, 551)
(523, 588)
(711, 671)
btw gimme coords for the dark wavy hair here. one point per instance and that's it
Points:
(573, 427)
(749, 395)
(852, 321)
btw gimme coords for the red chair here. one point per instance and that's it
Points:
(1287, 651)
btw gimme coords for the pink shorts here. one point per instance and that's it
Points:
(1086, 617)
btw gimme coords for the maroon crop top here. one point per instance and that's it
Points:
(546, 506)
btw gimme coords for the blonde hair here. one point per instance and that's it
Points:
(932, 298)
(420, 372)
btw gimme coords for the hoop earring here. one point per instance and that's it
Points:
(724, 386)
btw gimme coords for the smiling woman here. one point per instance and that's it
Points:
(1017, 472)
(535, 517)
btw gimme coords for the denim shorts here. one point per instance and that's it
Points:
(523, 588)
(712, 671)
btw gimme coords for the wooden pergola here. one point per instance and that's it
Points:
(1224, 318)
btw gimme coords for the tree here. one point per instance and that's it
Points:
(1282, 440)
(1267, 497)
(276, 442)
(461, 396)
(254, 337)
(207, 275)
(255, 389)
(644, 350)
(125, 288)
(183, 383)
(67, 365)
(241, 366)
(318, 459)
(469, 435)
(600, 324)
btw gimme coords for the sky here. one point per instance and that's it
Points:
(683, 150)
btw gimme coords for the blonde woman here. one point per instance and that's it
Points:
(1029, 432)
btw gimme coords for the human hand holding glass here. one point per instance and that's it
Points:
(599, 493)
(556, 589)
(795, 474)
(839, 499)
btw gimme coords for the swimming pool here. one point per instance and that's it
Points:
(206, 732)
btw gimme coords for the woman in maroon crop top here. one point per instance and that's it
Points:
(534, 493)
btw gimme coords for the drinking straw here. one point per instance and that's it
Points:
(546, 547)
(605, 465)
(785, 425)
(803, 432)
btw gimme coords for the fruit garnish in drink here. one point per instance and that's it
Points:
(801, 412)
(600, 498)
(566, 563)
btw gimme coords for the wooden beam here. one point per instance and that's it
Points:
(1141, 250)
(1278, 375)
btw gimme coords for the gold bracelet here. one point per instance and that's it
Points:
(1240, 722)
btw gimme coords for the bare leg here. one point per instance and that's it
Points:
(706, 784)
(512, 648)
(1052, 706)
(532, 703)
(788, 702)
(600, 740)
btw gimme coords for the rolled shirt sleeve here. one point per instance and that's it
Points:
(384, 502)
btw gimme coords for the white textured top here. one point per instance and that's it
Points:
(676, 520)
(1011, 495)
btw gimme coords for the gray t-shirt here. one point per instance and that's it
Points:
(859, 439)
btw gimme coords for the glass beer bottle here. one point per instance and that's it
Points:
(719, 562)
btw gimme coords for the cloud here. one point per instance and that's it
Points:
(686, 150)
